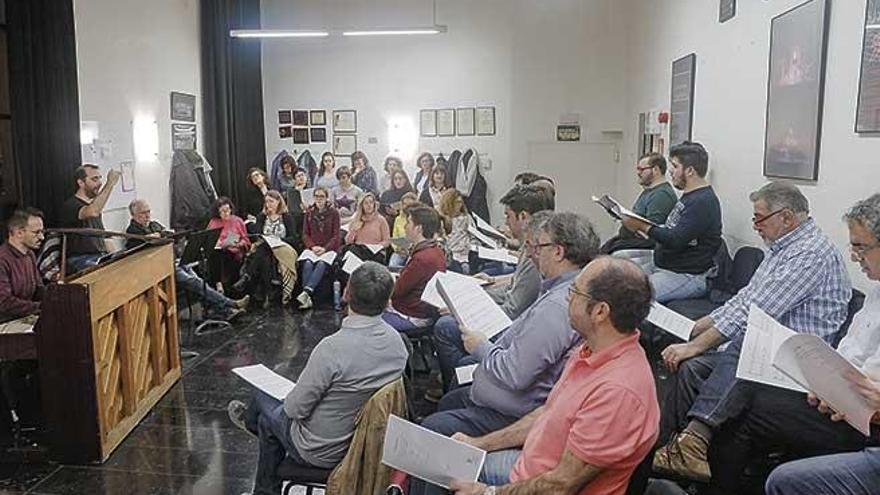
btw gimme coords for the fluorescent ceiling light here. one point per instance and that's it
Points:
(276, 33)
(393, 32)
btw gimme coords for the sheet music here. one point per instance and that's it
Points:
(465, 374)
(307, 196)
(273, 241)
(472, 230)
(21, 325)
(266, 380)
(328, 257)
(615, 209)
(432, 296)
(501, 255)
(764, 336)
(670, 321)
(231, 240)
(472, 306)
(814, 364)
(428, 455)
(486, 226)
(374, 248)
(352, 263)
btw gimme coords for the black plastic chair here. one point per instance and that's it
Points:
(422, 340)
(306, 476)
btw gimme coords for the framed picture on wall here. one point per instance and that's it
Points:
(798, 41)
(726, 10)
(446, 122)
(681, 106)
(318, 134)
(285, 131)
(344, 121)
(284, 117)
(428, 123)
(183, 107)
(344, 144)
(183, 136)
(464, 121)
(868, 106)
(485, 121)
(300, 136)
(301, 117)
(318, 117)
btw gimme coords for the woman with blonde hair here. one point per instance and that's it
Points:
(459, 240)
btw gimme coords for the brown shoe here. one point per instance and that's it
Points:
(686, 456)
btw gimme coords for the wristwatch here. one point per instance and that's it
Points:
(490, 490)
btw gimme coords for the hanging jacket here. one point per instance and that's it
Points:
(472, 185)
(192, 190)
(452, 167)
(275, 170)
(307, 162)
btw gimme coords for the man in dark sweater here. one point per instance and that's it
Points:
(83, 211)
(690, 237)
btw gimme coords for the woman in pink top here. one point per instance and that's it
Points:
(368, 231)
(232, 245)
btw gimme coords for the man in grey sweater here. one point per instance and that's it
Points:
(315, 423)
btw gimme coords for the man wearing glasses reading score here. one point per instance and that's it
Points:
(802, 283)
(600, 419)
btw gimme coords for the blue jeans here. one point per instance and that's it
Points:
(80, 262)
(215, 302)
(497, 268)
(312, 274)
(670, 286)
(856, 473)
(450, 349)
(400, 323)
(722, 396)
(266, 418)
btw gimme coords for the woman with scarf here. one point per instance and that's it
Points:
(362, 173)
(390, 199)
(321, 237)
(346, 195)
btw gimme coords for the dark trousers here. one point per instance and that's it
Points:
(223, 267)
(266, 418)
(259, 267)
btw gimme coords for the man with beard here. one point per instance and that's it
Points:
(83, 211)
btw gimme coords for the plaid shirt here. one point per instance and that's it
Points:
(802, 283)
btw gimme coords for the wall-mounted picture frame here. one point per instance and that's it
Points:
(318, 117)
(183, 136)
(183, 107)
(300, 136)
(726, 10)
(568, 133)
(681, 106)
(868, 103)
(301, 118)
(464, 121)
(344, 121)
(344, 144)
(285, 131)
(428, 123)
(284, 117)
(485, 121)
(446, 122)
(795, 91)
(318, 134)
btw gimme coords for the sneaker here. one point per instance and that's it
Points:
(685, 456)
(236, 410)
(219, 287)
(305, 300)
(243, 302)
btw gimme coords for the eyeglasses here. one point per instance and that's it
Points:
(861, 249)
(756, 220)
(535, 247)
(574, 291)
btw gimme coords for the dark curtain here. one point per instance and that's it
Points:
(232, 92)
(45, 100)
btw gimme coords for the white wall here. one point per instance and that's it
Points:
(131, 54)
(730, 99)
(533, 61)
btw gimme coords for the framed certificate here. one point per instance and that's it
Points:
(464, 121)
(485, 117)
(428, 123)
(344, 121)
(318, 117)
(318, 134)
(446, 122)
(344, 144)
(300, 136)
(300, 117)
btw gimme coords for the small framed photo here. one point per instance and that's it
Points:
(568, 133)
(284, 117)
(183, 107)
(300, 136)
(344, 121)
(318, 134)
(464, 121)
(183, 136)
(446, 122)
(344, 144)
(300, 117)
(318, 117)
(485, 121)
(285, 131)
(428, 123)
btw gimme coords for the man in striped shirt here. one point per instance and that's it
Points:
(802, 283)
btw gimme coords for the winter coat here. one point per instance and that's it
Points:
(192, 191)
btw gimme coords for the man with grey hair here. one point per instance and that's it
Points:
(315, 422)
(802, 283)
(515, 373)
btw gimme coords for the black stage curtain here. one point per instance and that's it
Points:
(232, 93)
(45, 100)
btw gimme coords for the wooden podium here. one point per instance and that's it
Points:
(107, 344)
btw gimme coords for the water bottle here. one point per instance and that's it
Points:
(337, 295)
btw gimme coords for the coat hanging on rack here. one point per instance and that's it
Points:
(192, 190)
(470, 183)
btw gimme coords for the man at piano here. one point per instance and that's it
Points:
(21, 286)
(218, 306)
(83, 211)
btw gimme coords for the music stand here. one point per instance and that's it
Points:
(198, 246)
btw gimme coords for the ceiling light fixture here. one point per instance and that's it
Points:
(276, 33)
(395, 32)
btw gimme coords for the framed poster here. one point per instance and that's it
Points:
(318, 134)
(344, 121)
(485, 117)
(301, 117)
(446, 122)
(868, 105)
(284, 117)
(183, 107)
(344, 144)
(798, 41)
(285, 131)
(183, 136)
(318, 117)
(464, 121)
(428, 123)
(726, 10)
(300, 136)
(681, 106)
(568, 133)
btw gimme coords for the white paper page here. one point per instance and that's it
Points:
(485, 226)
(346, 227)
(21, 325)
(670, 321)
(501, 255)
(308, 196)
(308, 254)
(764, 335)
(352, 262)
(374, 248)
(813, 363)
(428, 455)
(482, 237)
(432, 296)
(273, 241)
(465, 374)
(328, 257)
(266, 380)
(472, 306)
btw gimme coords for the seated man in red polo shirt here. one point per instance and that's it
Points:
(601, 417)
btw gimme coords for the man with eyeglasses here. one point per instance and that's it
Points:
(802, 283)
